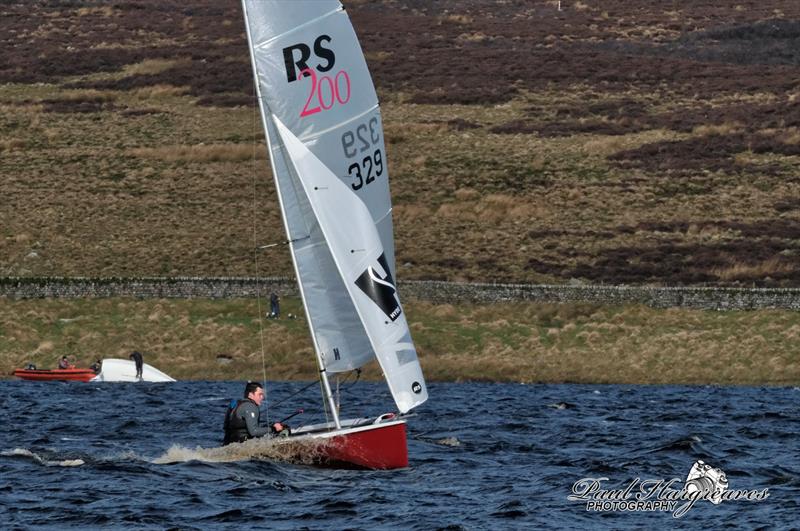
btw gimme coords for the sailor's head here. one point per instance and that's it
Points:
(254, 391)
(63, 358)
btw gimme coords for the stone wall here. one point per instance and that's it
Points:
(657, 297)
(433, 291)
(144, 288)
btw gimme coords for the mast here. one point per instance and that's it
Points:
(261, 104)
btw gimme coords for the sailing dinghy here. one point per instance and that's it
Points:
(325, 138)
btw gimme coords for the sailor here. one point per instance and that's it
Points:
(243, 416)
(136, 356)
(64, 363)
(96, 366)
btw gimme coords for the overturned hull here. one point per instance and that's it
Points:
(117, 370)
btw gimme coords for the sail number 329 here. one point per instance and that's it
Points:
(370, 164)
(363, 142)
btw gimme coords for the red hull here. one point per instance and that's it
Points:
(80, 375)
(376, 447)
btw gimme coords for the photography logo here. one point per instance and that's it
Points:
(707, 479)
(704, 482)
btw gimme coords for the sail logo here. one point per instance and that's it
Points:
(297, 64)
(380, 288)
(324, 91)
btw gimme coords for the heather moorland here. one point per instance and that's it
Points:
(614, 142)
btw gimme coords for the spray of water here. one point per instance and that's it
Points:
(449, 441)
(301, 451)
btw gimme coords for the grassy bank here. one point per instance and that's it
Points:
(221, 339)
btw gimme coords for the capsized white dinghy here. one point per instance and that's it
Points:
(117, 370)
(325, 138)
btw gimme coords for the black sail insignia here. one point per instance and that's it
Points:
(380, 288)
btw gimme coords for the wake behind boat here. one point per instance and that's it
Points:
(325, 137)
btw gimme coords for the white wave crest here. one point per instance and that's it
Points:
(23, 452)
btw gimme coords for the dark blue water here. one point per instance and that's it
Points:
(144, 456)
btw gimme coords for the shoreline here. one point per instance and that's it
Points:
(771, 385)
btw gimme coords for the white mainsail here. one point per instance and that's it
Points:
(324, 130)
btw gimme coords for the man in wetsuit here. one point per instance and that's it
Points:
(243, 416)
(136, 356)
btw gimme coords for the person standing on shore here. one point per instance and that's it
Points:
(274, 306)
(136, 356)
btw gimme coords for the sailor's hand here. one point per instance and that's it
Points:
(278, 427)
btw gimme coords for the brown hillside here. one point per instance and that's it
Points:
(611, 141)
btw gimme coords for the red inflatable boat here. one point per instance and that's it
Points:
(79, 375)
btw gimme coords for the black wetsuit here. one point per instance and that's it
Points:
(242, 422)
(137, 358)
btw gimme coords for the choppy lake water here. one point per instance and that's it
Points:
(147, 456)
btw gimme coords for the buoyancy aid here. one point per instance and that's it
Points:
(235, 425)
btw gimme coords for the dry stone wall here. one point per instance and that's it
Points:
(168, 288)
(433, 291)
(658, 297)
